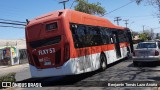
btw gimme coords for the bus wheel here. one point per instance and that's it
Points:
(103, 62)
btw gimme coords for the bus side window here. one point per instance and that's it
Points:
(126, 36)
(98, 38)
(110, 36)
(111, 40)
(122, 36)
(73, 28)
(81, 35)
(92, 33)
(88, 37)
(102, 33)
(95, 36)
(105, 35)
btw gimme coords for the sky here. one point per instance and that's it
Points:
(20, 10)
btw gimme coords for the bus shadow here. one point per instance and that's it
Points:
(145, 64)
(155, 78)
(69, 80)
(117, 62)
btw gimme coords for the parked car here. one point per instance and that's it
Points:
(147, 52)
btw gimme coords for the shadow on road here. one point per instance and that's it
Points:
(155, 78)
(60, 80)
(78, 80)
(145, 64)
(65, 80)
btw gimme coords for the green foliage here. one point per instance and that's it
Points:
(143, 36)
(7, 78)
(90, 8)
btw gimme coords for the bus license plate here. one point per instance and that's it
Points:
(47, 63)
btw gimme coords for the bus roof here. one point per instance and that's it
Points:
(75, 17)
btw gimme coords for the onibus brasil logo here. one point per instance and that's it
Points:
(21, 85)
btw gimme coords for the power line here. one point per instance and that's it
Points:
(72, 4)
(8, 23)
(12, 21)
(12, 27)
(119, 7)
(133, 16)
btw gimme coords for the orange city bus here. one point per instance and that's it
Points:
(68, 42)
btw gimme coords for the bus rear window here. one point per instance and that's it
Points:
(51, 26)
(45, 42)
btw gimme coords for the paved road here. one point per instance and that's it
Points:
(9, 69)
(121, 71)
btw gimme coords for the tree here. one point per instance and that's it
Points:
(157, 36)
(143, 36)
(90, 8)
(149, 33)
(155, 3)
(146, 35)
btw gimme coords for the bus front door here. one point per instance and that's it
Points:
(117, 44)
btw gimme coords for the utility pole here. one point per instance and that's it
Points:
(117, 19)
(152, 33)
(126, 22)
(143, 28)
(64, 3)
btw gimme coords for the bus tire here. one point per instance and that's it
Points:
(103, 62)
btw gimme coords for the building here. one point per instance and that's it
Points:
(13, 52)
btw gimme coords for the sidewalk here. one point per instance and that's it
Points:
(16, 68)
(1, 67)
